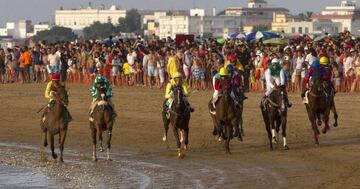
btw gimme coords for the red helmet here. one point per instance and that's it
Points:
(55, 77)
(232, 58)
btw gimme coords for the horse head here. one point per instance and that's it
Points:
(226, 89)
(317, 88)
(277, 97)
(178, 97)
(101, 91)
(61, 95)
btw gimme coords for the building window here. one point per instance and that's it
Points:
(346, 29)
(306, 30)
(336, 30)
(293, 30)
(75, 23)
(300, 30)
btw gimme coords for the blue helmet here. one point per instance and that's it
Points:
(315, 64)
(230, 68)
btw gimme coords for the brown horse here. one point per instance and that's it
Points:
(318, 108)
(225, 119)
(274, 113)
(103, 120)
(179, 119)
(56, 122)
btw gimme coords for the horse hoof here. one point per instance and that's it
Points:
(240, 138)
(109, 159)
(286, 147)
(185, 147)
(227, 152)
(61, 160)
(335, 124)
(54, 156)
(45, 144)
(274, 141)
(101, 150)
(95, 159)
(219, 139)
(164, 138)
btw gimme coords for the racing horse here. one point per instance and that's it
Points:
(318, 108)
(103, 120)
(225, 119)
(56, 121)
(274, 112)
(179, 117)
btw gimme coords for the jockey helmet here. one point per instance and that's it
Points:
(232, 58)
(324, 60)
(99, 78)
(223, 72)
(55, 77)
(315, 64)
(230, 68)
(177, 75)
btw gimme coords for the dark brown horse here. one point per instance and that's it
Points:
(56, 122)
(179, 119)
(226, 118)
(274, 113)
(240, 97)
(318, 108)
(103, 120)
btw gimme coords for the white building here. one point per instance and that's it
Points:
(78, 19)
(347, 13)
(313, 27)
(18, 30)
(164, 24)
(40, 27)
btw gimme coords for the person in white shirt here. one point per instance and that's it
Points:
(54, 62)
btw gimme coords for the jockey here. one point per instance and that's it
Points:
(49, 94)
(328, 73)
(177, 81)
(235, 74)
(217, 80)
(275, 74)
(100, 79)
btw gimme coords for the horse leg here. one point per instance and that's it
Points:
(326, 120)
(177, 140)
(267, 124)
(93, 136)
(166, 122)
(52, 146)
(186, 138)
(45, 139)
(333, 109)
(283, 129)
(109, 145)
(272, 126)
(228, 131)
(62, 137)
(101, 148)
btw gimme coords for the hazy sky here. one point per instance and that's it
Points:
(43, 10)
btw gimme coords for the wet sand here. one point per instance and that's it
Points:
(142, 160)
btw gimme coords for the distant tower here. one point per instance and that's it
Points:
(257, 4)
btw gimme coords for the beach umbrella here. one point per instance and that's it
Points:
(240, 36)
(320, 38)
(221, 40)
(275, 41)
(233, 35)
(260, 35)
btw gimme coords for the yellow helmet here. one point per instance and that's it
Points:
(223, 72)
(324, 60)
(177, 75)
(239, 67)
